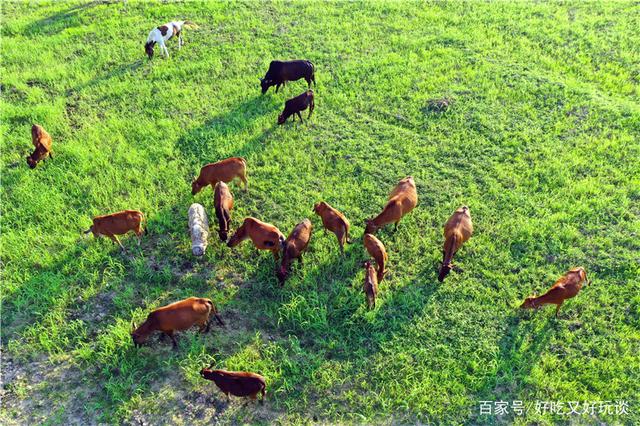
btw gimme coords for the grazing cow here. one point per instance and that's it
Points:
(222, 171)
(297, 104)
(198, 228)
(370, 284)
(334, 221)
(282, 71)
(402, 199)
(164, 33)
(376, 249)
(263, 235)
(42, 142)
(457, 231)
(237, 383)
(120, 223)
(223, 203)
(565, 288)
(177, 316)
(295, 244)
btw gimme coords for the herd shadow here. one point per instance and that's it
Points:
(61, 20)
(209, 141)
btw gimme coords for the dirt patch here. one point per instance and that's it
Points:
(42, 389)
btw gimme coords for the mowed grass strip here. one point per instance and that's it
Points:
(527, 113)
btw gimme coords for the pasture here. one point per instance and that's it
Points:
(528, 113)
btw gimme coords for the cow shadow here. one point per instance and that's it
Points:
(520, 348)
(62, 20)
(215, 139)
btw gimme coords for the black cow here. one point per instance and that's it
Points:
(282, 71)
(297, 104)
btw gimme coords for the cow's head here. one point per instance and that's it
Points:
(281, 119)
(444, 271)
(320, 207)
(31, 162)
(148, 48)
(138, 337)
(370, 226)
(529, 303)
(282, 274)
(209, 374)
(223, 234)
(196, 186)
(265, 83)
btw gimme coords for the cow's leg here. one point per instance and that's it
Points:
(300, 116)
(163, 48)
(243, 178)
(558, 308)
(180, 42)
(115, 239)
(341, 236)
(395, 228)
(277, 87)
(208, 327)
(300, 260)
(311, 107)
(173, 339)
(276, 254)
(161, 336)
(308, 82)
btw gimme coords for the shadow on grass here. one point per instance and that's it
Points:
(206, 143)
(520, 349)
(62, 20)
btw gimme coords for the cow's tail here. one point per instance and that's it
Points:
(214, 311)
(143, 219)
(189, 24)
(313, 73)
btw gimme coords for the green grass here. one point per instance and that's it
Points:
(542, 141)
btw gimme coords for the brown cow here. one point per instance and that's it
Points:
(223, 203)
(222, 171)
(42, 142)
(120, 223)
(174, 317)
(376, 249)
(401, 201)
(370, 284)
(334, 221)
(237, 383)
(295, 244)
(457, 231)
(263, 235)
(565, 288)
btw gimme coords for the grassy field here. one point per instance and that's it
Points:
(541, 140)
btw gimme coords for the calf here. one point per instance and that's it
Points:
(177, 316)
(334, 221)
(237, 383)
(376, 249)
(401, 201)
(198, 228)
(565, 288)
(42, 142)
(120, 223)
(370, 284)
(263, 235)
(294, 245)
(280, 72)
(297, 104)
(222, 171)
(457, 231)
(223, 203)
(164, 33)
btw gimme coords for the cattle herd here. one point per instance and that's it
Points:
(184, 314)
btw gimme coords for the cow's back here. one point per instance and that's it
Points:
(183, 314)
(224, 170)
(118, 223)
